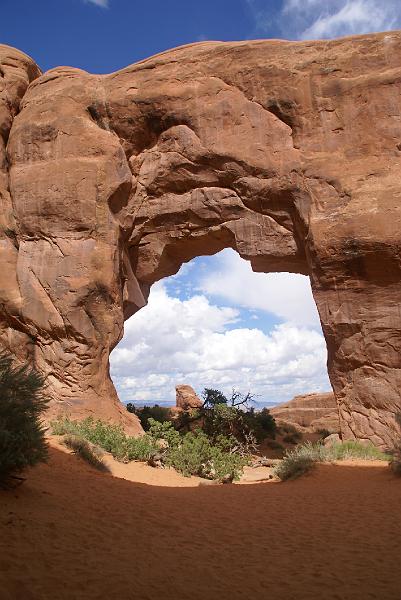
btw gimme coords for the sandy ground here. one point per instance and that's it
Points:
(71, 533)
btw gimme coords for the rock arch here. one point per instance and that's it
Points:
(287, 152)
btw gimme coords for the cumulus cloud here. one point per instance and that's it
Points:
(318, 19)
(351, 17)
(288, 296)
(192, 341)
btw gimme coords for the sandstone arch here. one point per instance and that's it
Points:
(287, 152)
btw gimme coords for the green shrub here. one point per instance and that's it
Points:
(156, 412)
(302, 458)
(292, 466)
(190, 454)
(164, 431)
(226, 466)
(107, 436)
(353, 449)
(196, 455)
(110, 438)
(140, 448)
(22, 436)
(85, 450)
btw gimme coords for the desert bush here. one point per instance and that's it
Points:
(110, 438)
(138, 448)
(262, 423)
(196, 455)
(156, 412)
(107, 436)
(85, 450)
(164, 431)
(22, 435)
(191, 454)
(353, 449)
(302, 458)
(293, 466)
(234, 417)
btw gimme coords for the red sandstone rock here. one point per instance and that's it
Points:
(186, 398)
(311, 411)
(287, 152)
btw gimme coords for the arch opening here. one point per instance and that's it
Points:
(216, 323)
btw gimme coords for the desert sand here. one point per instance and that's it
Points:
(72, 533)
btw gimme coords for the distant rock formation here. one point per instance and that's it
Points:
(313, 412)
(287, 152)
(186, 398)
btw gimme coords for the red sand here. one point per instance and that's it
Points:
(70, 533)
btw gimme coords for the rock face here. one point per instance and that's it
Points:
(312, 411)
(186, 397)
(287, 152)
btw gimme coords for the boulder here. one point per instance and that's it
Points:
(332, 439)
(186, 398)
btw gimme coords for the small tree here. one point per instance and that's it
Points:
(22, 436)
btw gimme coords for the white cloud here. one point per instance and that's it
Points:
(102, 3)
(288, 296)
(192, 341)
(318, 19)
(353, 17)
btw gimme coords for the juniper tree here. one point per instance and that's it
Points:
(22, 435)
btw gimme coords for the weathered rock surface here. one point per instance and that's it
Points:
(310, 411)
(287, 152)
(186, 398)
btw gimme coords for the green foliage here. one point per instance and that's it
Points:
(293, 466)
(213, 397)
(22, 436)
(196, 455)
(156, 412)
(352, 449)
(302, 458)
(164, 431)
(190, 454)
(262, 423)
(110, 438)
(140, 448)
(85, 450)
(235, 418)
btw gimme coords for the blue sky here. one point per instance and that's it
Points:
(105, 35)
(215, 323)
